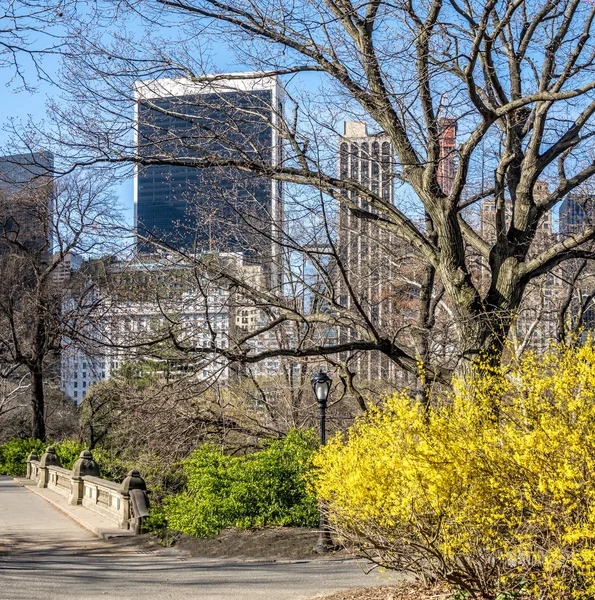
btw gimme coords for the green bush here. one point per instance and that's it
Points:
(13, 455)
(68, 451)
(110, 466)
(264, 488)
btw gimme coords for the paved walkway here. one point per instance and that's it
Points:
(46, 556)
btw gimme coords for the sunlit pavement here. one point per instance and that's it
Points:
(46, 556)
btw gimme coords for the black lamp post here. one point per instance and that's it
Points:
(321, 384)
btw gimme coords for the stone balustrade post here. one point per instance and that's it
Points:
(32, 456)
(132, 481)
(84, 465)
(48, 459)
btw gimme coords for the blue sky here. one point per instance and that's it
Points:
(19, 105)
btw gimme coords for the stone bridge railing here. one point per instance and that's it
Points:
(124, 503)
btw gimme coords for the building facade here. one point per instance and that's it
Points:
(134, 304)
(191, 197)
(577, 211)
(68, 265)
(447, 143)
(366, 278)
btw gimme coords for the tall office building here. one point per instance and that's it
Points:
(26, 200)
(190, 198)
(577, 212)
(363, 246)
(367, 159)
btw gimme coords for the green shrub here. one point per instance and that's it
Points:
(264, 488)
(68, 451)
(110, 467)
(13, 455)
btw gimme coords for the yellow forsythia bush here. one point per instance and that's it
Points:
(493, 491)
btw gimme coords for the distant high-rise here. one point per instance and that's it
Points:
(367, 159)
(447, 142)
(192, 198)
(576, 212)
(26, 200)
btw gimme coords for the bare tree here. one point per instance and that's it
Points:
(43, 223)
(29, 30)
(515, 75)
(576, 302)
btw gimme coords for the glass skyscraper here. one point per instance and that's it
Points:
(189, 195)
(26, 199)
(576, 212)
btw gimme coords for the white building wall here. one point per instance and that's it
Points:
(113, 340)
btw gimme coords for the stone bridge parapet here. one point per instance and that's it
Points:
(123, 503)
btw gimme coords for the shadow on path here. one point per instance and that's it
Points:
(43, 555)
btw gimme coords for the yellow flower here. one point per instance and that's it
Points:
(496, 486)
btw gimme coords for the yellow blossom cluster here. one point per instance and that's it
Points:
(492, 491)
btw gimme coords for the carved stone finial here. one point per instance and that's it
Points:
(85, 465)
(50, 458)
(133, 481)
(32, 456)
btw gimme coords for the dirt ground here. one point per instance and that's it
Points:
(282, 543)
(401, 591)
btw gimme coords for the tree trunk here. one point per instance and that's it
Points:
(38, 403)
(483, 325)
(482, 338)
(425, 322)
